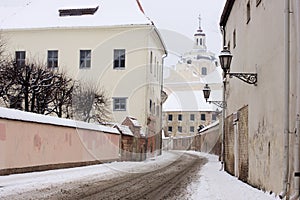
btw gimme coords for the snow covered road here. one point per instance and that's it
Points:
(174, 175)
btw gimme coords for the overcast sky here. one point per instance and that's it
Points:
(182, 18)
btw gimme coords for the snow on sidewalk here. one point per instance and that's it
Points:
(219, 185)
(212, 184)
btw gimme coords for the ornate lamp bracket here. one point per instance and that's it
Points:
(220, 104)
(250, 78)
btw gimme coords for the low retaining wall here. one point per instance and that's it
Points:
(31, 142)
(208, 141)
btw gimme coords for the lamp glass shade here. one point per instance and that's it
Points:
(206, 92)
(225, 59)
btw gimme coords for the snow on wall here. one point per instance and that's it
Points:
(13, 114)
(31, 142)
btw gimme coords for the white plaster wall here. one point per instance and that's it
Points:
(133, 82)
(260, 49)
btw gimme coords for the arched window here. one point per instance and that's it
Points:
(204, 71)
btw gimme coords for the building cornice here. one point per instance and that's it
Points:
(226, 12)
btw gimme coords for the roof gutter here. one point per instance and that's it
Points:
(297, 133)
(226, 12)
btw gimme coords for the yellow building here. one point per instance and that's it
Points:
(109, 43)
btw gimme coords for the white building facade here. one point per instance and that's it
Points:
(186, 110)
(114, 47)
(261, 131)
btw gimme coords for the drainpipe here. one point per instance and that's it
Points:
(286, 98)
(223, 110)
(296, 145)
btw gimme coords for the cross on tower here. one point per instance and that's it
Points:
(199, 21)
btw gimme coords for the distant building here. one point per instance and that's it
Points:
(185, 110)
(108, 43)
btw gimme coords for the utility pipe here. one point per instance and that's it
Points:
(223, 110)
(296, 145)
(286, 98)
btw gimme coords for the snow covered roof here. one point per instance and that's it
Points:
(12, 114)
(190, 100)
(134, 121)
(45, 14)
(124, 129)
(210, 126)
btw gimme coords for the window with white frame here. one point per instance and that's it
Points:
(204, 71)
(180, 129)
(52, 59)
(180, 117)
(192, 117)
(20, 58)
(119, 59)
(85, 59)
(192, 129)
(203, 117)
(119, 104)
(214, 117)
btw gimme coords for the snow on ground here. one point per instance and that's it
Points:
(212, 183)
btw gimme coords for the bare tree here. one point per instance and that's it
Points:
(90, 104)
(35, 88)
(62, 102)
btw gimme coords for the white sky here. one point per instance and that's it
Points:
(182, 17)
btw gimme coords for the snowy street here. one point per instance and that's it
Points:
(174, 175)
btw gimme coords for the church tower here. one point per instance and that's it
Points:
(200, 38)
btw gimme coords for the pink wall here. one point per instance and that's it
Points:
(27, 144)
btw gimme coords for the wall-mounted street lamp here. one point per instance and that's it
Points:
(225, 61)
(206, 93)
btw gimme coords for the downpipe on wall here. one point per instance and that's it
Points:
(286, 98)
(296, 194)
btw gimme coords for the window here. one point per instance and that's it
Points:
(119, 58)
(204, 71)
(192, 117)
(192, 129)
(203, 117)
(170, 129)
(248, 12)
(234, 38)
(20, 58)
(119, 104)
(180, 129)
(52, 59)
(258, 2)
(155, 66)
(151, 61)
(170, 117)
(179, 117)
(214, 117)
(85, 59)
